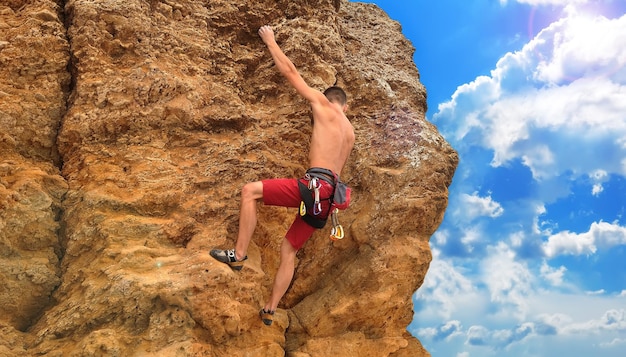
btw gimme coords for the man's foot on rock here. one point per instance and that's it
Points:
(228, 257)
(267, 316)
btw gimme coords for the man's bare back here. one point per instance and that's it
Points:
(332, 138)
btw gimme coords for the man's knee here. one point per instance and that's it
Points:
(287, 252)
(252, 191)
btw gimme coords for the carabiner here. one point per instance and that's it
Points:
(336, 233)
(317, 208)
(317, 195)
(314, 183)
(302, 208)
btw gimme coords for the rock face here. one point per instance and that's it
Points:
(128, 128)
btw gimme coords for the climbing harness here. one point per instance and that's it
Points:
(311, 206)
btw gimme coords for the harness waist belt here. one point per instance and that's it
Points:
(321, 173)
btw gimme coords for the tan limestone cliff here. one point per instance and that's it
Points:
(128, 129)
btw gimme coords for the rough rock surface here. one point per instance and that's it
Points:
(127, 128)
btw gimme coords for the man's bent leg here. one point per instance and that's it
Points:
(283, 276)
(250, 193)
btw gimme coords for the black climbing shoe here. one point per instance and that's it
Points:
(267, 316)
(228, 257)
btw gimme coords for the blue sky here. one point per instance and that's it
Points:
(530, 259)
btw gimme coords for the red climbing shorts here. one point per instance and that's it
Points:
(285, 193)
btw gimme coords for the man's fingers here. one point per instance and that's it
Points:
(264, 28)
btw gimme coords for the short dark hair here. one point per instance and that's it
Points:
(336, 95)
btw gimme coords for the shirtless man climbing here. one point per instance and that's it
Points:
(332, 140)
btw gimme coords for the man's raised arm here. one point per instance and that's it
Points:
(287, 68)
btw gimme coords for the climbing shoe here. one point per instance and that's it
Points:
(267, 316)
(228, 257)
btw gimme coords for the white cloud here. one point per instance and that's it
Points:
(596, 292)
(557, 321)
(446, 331)
(580, 48)
(472, 206)
(509, 281)
(601, 320)
(598, 177)
(597, 189)
(445, 288)
(459, 243)
(613, 343)
(516, 239)
(600, 235)
(553, 276)
(470, 237)
(482, 336)
(548, 2)
(540, 227)
(612, 320)
(611, 325)
(440, 237)
(565, 90)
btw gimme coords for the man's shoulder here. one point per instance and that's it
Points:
(328, 114)
(317, 98)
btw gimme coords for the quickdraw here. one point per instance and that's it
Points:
(336, 233)
(314, 185)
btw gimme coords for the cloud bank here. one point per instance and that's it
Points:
(563, 91)
(546, 129)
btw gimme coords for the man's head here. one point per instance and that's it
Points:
(336, 95)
